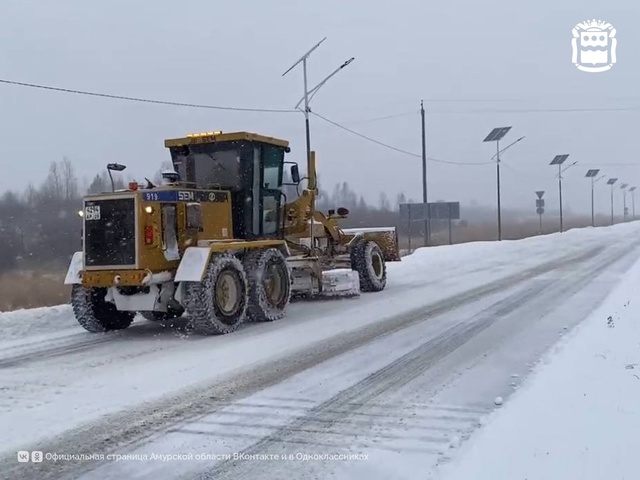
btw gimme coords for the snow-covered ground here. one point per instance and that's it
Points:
(401, 377)
(578, 416)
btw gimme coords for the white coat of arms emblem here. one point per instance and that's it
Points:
(594, 45)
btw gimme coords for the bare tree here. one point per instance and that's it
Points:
(68, 180)
(52, 188)
(384, 203)
(97, 185)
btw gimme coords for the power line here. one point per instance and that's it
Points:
(145, 100)
(386, 117)
(391, 147)
(460, 163)
(492, 110)
(277, 110)
(610, 164)
(539, 110)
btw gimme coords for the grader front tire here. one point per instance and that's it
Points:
(94, 313)
(367, 259)
(218, 304)
(269, 285)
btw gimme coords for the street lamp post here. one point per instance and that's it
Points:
(592, 175)
(559, 160)
(611, 182)
(308, 94)
(495, 136)
(633, 203)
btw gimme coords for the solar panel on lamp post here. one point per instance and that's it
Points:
(559, 160)
(592, 175)
(623, 187)
(611, 181)
(495, 136)
(633, 203)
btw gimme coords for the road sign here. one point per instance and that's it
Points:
(444, 210)
(413, 211)
(539, 202)
(539, 210)
(540, 193)
(434, 211)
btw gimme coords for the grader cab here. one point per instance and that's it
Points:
(218, 240)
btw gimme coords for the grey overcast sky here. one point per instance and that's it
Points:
(469, 61)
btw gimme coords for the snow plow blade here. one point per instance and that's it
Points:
(340, 282)
(385, 237)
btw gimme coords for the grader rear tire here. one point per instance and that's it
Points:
(218, 304)
(94, 313)
(367, 259)
(269, 285)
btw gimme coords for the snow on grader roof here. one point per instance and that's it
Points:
(219, 242)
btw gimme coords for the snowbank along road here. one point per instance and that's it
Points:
(383, 386)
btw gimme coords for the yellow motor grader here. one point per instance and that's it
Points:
(218, 241)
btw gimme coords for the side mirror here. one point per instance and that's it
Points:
(295, 174)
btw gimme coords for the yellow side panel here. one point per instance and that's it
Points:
(216, 221)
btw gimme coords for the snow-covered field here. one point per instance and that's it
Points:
(397, 379)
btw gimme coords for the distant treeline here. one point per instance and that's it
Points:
(40, 227)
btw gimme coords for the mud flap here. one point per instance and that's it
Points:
(193, 264)
(75, 268)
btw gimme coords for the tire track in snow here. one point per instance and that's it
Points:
(78, 342)
(335, 411)
(126, 428)
(65, 346)
(330, 418)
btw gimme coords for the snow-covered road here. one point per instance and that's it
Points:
(397, 379)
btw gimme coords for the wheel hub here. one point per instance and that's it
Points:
(377, 263)
(273, 282)
(227, 293)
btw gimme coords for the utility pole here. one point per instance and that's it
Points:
(425, 201)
